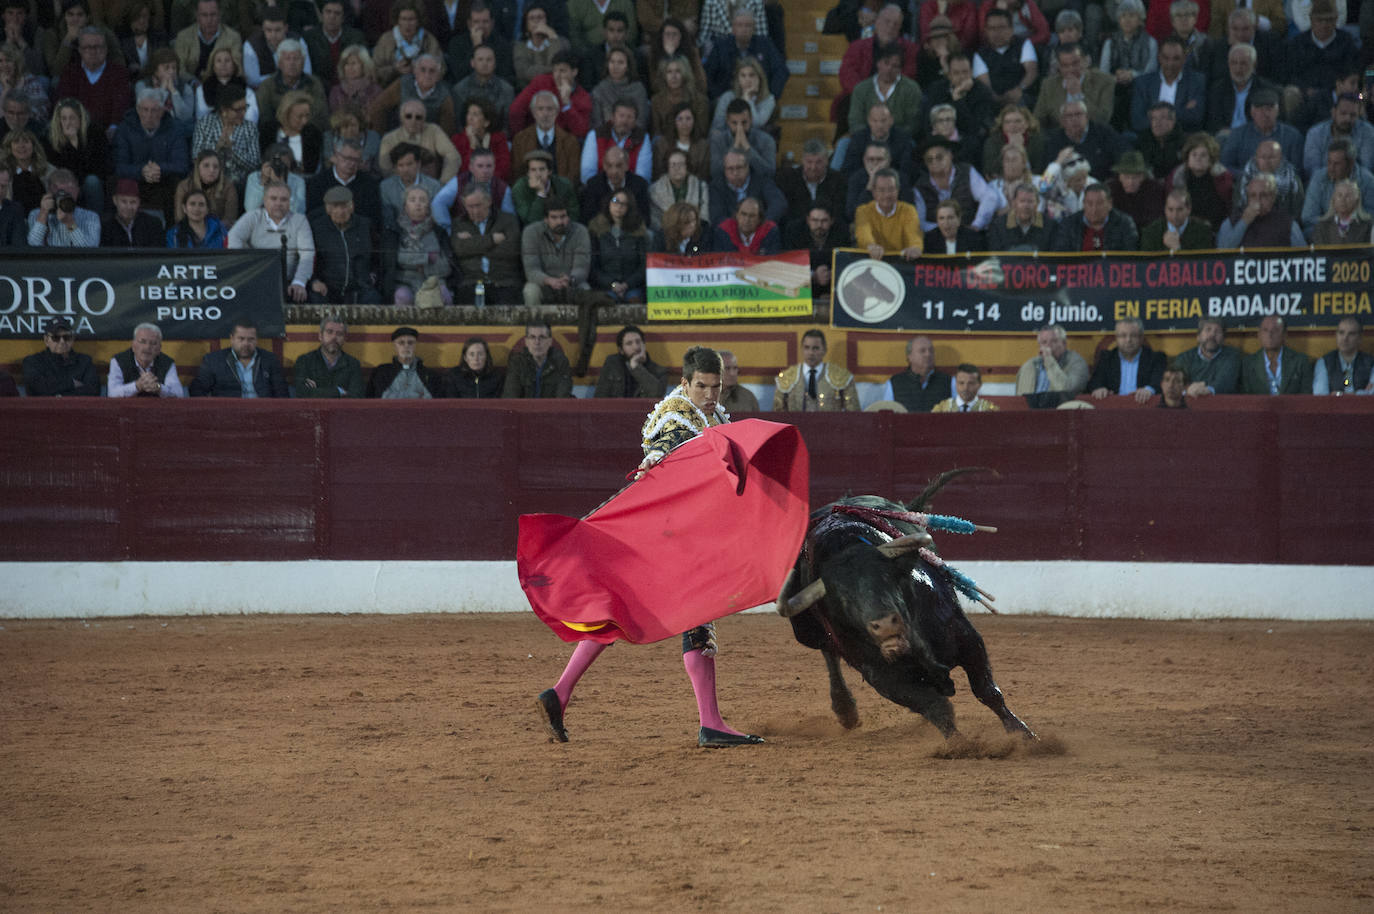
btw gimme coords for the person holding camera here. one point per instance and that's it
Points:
(278, 164)
(58, 222)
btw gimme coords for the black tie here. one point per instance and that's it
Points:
(811, 385)
(964, 408)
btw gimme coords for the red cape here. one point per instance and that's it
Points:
(711, 530)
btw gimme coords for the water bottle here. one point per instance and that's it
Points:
(480, 294)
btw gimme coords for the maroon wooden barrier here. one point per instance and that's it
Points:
(1283, 479)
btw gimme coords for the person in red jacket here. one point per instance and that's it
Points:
(574, 102)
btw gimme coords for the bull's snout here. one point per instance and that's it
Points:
(889, 632)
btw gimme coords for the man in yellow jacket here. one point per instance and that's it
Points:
(886, 225)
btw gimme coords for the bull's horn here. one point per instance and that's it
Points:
(908, 543)
(780, 604)
(803, 599)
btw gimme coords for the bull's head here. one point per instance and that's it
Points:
(865, 588)
(803, 599)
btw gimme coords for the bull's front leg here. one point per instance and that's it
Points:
(841, 699)
(973, 657)
(897, 685)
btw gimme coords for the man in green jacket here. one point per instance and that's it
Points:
(328, 372)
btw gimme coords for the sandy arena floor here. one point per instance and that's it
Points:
(396, 763)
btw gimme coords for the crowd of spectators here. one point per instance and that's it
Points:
(653, 127)
(1175, 127)
(429, 152)
(538, 369)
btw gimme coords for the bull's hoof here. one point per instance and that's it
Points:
(551, 711)
(846, 714)
(719, 739)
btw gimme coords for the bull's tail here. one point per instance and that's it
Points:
(922, 501)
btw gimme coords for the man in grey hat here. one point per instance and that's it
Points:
(345, 263)
(57, 371)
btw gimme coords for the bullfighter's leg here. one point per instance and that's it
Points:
(553, 702)
(841, 699)
(973, 657)
(698, 657)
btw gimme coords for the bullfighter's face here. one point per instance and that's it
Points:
(703, 389)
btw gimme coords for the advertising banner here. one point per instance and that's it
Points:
(719, 286)
(190, 294)
(1020, 292)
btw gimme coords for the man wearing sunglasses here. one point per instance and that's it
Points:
(57, 371)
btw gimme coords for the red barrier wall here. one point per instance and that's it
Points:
(1243, 480)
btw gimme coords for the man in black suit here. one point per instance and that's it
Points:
(1024, 228)
(1241, 81)
(739, 182)
(1097, 227)
(881, 129)
(811, 184)
(128, 226)
(366, 190)
(326, 41)
(1178, 230)
(950, 235)
(614, 175)
(487, 245)
(242, 370)
(1131, 369)
(482, 28)
(1097, 143)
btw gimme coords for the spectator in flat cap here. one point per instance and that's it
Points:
(57, 371)
(1264, 124)
(405, 377)
(345, 262)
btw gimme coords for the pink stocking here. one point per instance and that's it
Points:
(582, 657)
(702, 671)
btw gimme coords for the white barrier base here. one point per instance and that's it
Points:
(1136, 590)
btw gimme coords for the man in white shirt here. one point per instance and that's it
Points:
(266, 229)
(142, 370)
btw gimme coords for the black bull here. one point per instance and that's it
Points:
(895, 618)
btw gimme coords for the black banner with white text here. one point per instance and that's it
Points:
(189, 294)
(1081, 292)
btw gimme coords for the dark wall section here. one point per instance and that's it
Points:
(1262, 480)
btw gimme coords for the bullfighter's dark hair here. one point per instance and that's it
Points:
(817, 334)
(702, 359)
(968, 368)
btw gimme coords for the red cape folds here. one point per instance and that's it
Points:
(711, 530)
